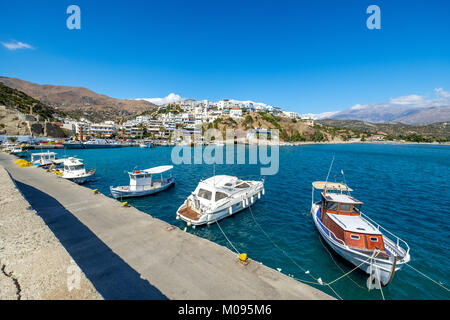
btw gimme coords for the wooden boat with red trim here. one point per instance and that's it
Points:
(354, 236)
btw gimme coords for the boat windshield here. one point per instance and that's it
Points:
(205, 194)
(242, 186)
(220, 196)
(356, 208)
(77, 167)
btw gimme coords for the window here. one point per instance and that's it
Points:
(374, 239)
(345, 207)
(332, 206)
(220, 196)
(242, 186)
(205, 194)
(356, 208)
(354, 237)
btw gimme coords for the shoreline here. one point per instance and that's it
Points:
(128, 254)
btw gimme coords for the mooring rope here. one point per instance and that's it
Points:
(331, 256)
(293, 261)
(423, 274)
(227, 238)
(346, 274)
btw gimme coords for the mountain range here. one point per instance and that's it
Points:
(412, 110)
(78, 101)
(82, 102)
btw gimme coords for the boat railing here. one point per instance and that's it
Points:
(398, 239)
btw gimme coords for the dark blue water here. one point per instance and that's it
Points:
(405, 188)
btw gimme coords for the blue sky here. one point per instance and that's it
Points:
(304, 56)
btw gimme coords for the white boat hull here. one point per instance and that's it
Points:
(381, 269)
(121, 192)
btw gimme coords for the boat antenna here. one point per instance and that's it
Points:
(329, 170)
(343, 175)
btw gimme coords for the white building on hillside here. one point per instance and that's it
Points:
(235, 113)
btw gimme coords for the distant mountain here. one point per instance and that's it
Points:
(437, 131)
(80, 101)
(413, 109)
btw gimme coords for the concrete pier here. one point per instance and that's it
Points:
(127, 254)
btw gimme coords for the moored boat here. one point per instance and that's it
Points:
(219, 197)
(43, 159)
(73, 170)
(18, 151)
(354, 236)
(145, 182)
(100, 143)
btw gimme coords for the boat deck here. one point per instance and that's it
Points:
(188, 213)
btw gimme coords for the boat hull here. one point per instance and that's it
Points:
(117, 192)
(80, 179)
(73, 145)
(381, 269)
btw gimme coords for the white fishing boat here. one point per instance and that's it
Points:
(18, 151)
(145, 182)
(354, 236)
(7, 147)
(73, 170)
(43, 159)
(219, 197)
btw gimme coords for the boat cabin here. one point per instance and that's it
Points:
(143, 179)
(340, 213)
(74, 165)
(219, 187)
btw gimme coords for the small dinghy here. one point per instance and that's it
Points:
(73, 170)
(144, 182)
(354, 236)
(219, 197)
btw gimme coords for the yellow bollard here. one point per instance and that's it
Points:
(244, 259)
(95, 191)
(125, 204)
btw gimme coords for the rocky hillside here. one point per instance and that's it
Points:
(291, 130)
(80, 102)
(14, 123)
(22, 102)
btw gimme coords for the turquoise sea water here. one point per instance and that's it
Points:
(405, 188)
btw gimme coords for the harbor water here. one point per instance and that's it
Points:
(404, 188)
